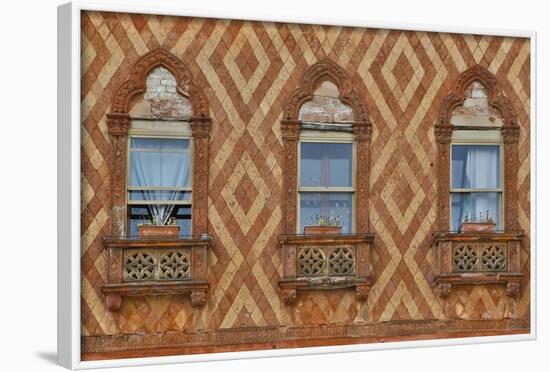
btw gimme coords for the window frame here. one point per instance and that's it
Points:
(147, 130)
(473, 140)
(308, 136)
(447, 133)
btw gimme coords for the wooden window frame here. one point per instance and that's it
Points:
(118, 244)
(445, 241)
(361, 240)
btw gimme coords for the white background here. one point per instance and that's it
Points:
(28, 182)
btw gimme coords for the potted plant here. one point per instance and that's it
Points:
(321, 225)
(482, 224)
(155, 228)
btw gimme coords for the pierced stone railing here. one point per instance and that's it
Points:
(155, 266)
(477, 258)
(325, 262)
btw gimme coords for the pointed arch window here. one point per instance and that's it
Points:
(159, 127)
(478, 240)
(326, 135)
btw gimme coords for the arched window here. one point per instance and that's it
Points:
(326, 134)
(477, 156)
(159, 127)
(159, 166)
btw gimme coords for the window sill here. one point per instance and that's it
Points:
(477, 258)
(155, 266)
(325, 262)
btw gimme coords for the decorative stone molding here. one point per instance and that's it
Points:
(154, 266)
(118, 122)
(304, 92)
(510, 131)
(477, 258)
(200, 341)
(325, 262)
(149, 272)
(354, 245)
(484, 258)
(138, 75)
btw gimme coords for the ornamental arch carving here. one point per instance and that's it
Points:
(118, 123)
(138, 75)
(291, 125)
(478, 258)
(338, 261)
(509, 130)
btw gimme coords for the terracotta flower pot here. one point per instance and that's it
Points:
(475, 227)
(158, 230)
(322, 230)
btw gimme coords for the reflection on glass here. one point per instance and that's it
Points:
(476, 205)
(326, 164)
(327, 205)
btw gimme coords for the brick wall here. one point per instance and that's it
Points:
(247, 71)
(161, 99)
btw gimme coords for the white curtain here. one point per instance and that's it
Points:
(160, 163)
(475, 167)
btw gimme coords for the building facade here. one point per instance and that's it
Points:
(403, 137)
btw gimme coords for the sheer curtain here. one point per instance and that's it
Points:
(159, 163)
(475, 167)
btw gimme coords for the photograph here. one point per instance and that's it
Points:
(257, 185)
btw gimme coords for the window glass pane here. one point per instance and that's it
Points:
(159, 144)
(329, 204)
(159, 195)
(326, 164)
(475, 166)
(159, 162)
(475, 204)
(143, 215)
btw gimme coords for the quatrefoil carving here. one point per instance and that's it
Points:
(465, 258)
(311, 261)
(341, 261)
(174, 266)
(139, 266)
(493, 258)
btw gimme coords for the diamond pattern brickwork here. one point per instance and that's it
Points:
(248, 70)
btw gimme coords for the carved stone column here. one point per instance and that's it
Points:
(114, 275)
(443, 136)
(291, 133)
(510, 136)
(362, 132)
(118, 129)
(201, 135)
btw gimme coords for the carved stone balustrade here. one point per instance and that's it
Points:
(156, 266)
(477, 258)
(325, 262)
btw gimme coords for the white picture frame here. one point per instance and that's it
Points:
(69, 235)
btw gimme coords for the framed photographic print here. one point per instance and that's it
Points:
(255, 187)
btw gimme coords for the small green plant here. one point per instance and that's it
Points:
(319, 220)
